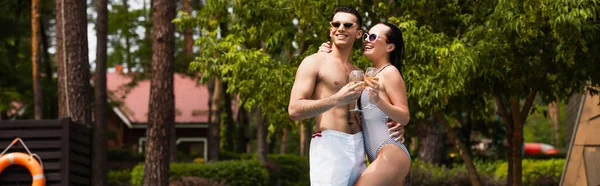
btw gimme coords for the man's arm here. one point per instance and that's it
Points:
(301, 105)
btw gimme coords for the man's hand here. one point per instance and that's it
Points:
(325, 47)
(349, 93)
(397, 130)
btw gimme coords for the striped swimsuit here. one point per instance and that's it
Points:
(375, 129)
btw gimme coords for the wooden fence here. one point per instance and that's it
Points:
(64, 146)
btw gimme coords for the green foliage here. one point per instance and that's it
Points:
(226, 155)
(423, 173)
(291, 169)
(235, 173)
(436, 67)
(537, 172)
(538, 128)
(255, 47)
(119, 177)
(124, 155)
(16, 84)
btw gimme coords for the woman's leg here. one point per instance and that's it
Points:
(390, 168)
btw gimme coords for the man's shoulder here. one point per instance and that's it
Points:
(319, 56)
(315, 59)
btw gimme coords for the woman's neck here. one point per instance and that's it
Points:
(380, 63)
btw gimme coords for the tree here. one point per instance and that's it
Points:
(431, 142)
(35, 59)
(529, 49)
(161, 115)
(437, 69)
(188, 39)
(100, 147)
(15, 84)
(257, 59)
(72, 55)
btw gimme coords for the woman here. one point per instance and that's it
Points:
(382, 100)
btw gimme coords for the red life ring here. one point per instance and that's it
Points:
(26, 161)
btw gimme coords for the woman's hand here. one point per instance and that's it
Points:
(373, 88)
(325, 47)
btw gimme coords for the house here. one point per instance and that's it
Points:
(129, 117)
(582, 165)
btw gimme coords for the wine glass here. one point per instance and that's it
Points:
(371, 74)
(356, 76)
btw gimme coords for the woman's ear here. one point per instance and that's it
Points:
(391, 47)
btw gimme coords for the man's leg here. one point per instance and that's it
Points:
(330, 159)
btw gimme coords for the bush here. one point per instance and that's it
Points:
(227, 155)
(234, 173)
(536, 172)
(426, 174)
(290, 169)
(124, 155)
(119, 177)
(195, 181)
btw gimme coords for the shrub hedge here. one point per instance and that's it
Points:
(293, 170)
(234, 173)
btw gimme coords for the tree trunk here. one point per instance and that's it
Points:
(214, 128)
(147, 16)
(229, 123)
(272, 140)
(51, 104)
(72, 54)
(514, 122)
(303, 137)
(462, 149)
(35, 59)
(242, 140)
(127, 35)
(283, 146)
(554, 114)
(188, 39)
(60, 63)
(100, 145)
(45, 46)
(261, 136)
(430, 141)
(517, 141)
(161, 114)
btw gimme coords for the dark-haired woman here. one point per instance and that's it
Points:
(381, 101)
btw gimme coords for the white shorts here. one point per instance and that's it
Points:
(336, 158)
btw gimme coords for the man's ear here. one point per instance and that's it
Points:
(359, 34)
(391, 47)
(330, 32)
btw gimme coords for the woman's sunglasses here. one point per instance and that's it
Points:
(338, 24)
(373, 37)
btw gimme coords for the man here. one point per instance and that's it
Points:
(321, 90)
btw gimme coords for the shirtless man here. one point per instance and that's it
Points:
(321, 90)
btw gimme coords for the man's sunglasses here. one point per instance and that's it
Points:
(338, 24)
(373, 37)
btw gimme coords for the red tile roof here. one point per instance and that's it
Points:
(191, 98)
